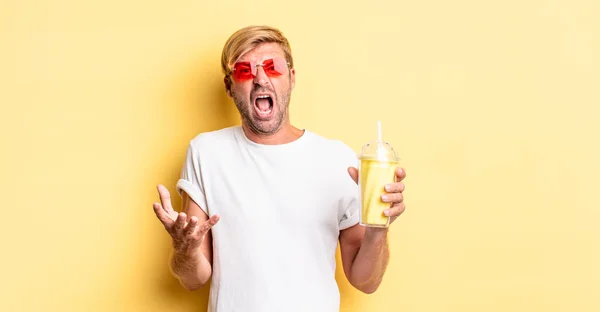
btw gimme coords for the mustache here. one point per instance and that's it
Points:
(262, 89)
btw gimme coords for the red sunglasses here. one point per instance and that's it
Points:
(247, 70)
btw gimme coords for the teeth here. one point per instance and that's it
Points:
(263, 97)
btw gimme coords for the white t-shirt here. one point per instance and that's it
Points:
(281, 208)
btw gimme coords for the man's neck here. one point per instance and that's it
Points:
(286, 134)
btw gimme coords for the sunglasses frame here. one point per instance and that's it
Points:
(254, 67)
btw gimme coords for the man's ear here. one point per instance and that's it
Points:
(227, 83)
(293, 78)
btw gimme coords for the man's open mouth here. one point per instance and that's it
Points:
(263, 104)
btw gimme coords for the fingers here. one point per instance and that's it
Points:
(395, 211)
(208, 224)
(353, 173)
(392, 198)
(400, 174)
(164, 218)
(397, 187)
(165, 198)
(191, 226)
(180, 222)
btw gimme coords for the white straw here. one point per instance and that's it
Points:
(379, 130)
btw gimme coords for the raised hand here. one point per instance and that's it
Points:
(187, 234)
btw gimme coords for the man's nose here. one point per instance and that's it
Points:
(261, 78)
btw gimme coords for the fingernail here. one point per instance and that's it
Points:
(386, 212)
(388, 187)
(384, 197)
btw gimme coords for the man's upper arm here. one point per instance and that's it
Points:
(191, 208)
(350, 241)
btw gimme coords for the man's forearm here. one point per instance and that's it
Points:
(191, 268)
(371, 261)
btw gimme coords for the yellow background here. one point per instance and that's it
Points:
(493, 107)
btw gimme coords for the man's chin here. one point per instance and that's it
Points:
(265, 126)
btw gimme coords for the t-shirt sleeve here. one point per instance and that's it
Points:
(350, 202)
(350, 216)
(190, 179)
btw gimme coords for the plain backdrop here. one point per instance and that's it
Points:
(491, 105)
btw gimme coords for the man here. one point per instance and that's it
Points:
(265, 203)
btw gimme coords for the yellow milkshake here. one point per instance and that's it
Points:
(374, 175)
(377, 168)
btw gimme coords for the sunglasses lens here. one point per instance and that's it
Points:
(279, 65)
(274, 67)
(242, 71)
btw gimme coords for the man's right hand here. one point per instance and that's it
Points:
(187, 234)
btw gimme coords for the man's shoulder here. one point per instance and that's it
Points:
(213, 137)
(330, 143)
(331, 146)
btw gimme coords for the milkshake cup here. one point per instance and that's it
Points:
(377, 167)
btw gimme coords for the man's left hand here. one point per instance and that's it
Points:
(392, 193)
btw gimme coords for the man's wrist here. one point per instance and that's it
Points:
(375, 235)
(183, 261)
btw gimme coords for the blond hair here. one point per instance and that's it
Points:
(246, 39)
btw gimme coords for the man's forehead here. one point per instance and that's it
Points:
(261, 52)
